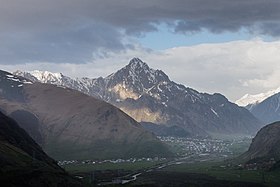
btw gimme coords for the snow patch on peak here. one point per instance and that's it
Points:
(215, 112)
(16, 78)
(10, 76)
(248, 99)
(46, 75)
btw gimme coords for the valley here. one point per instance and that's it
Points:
(197, 150)
(191, 154)
(199, 162)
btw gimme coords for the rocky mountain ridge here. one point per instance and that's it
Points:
(249, 100)
(264, 106)
(149, 95)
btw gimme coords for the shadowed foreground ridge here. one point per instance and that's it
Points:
(22, 161)
(265, 145)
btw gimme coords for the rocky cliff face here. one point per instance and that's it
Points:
(148, 95)
(71, 125)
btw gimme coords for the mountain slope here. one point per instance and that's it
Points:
(148, 95)
(72, 125)
(23, 163)
(265, 145)
(88, 123)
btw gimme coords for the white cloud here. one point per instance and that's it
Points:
(233, 68)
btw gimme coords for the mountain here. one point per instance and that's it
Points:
(71, 125)
(85, 85)
(149, 96)
(268, 110)
(265, 144)
(264, 106)
(23, 162)
(249, 101)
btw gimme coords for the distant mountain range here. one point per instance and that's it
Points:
(149, 96)
(23, 162)
(268, 111)
(264, 106)
(71, 125)
(249, 101)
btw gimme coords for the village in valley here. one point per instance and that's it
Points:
(190, 150)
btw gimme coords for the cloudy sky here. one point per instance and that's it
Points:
(231, 47)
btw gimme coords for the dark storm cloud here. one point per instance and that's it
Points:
(75, 44)
(73, 30)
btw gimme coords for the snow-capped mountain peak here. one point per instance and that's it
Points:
(43, 76)
(137, 75)
(81, 84)
(256, 98)
(137, 63)
(40, 76)
(137, 67)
